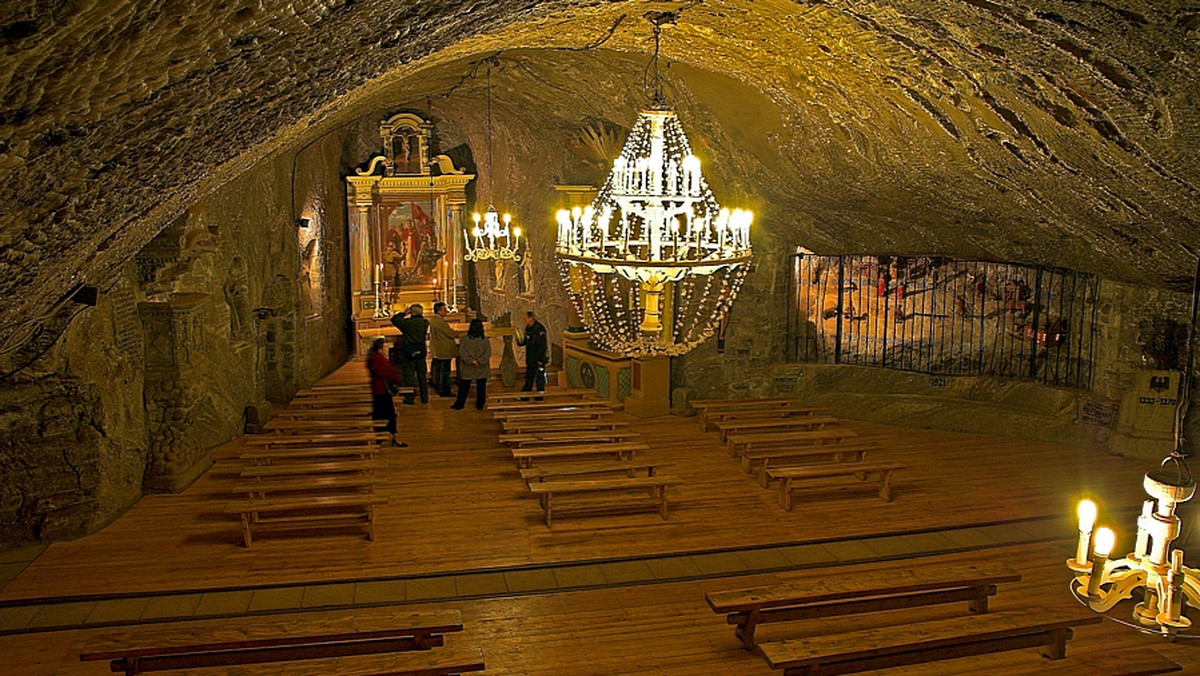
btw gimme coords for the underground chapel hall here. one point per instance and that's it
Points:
(543, 337)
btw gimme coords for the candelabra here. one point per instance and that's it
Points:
(493, 241)
(379, 309)
(1153, 566)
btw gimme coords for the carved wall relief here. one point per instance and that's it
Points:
(241, 328)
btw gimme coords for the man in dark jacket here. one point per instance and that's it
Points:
(414, 330)
(536, 354)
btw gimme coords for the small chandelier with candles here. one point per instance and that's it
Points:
(654, 223)
(1153, 567)
(493, 237)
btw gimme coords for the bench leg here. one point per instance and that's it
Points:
(370, 523)
(746, 465)
(745, 628)
(785, 493)
(886, 491)
(979, 604)
(546, 507)
(763, 479)
(1058, 645)
(662, 502)
(246, 530)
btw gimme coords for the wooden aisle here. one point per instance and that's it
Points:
(668, 629)
(455, 502)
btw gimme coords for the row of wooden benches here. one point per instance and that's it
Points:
(765, 432)
(410, 644)
(316, 467)
(898, 642)
(570, 426)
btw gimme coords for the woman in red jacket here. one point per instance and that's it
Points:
(382, 373)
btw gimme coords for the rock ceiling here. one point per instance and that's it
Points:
(1057, 132)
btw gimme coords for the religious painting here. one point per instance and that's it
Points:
(411, 245)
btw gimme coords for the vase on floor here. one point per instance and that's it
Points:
(508, 364)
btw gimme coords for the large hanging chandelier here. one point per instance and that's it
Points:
(654, 243)
(1153, 567)
(493, 237)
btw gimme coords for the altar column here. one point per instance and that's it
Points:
(359, 202)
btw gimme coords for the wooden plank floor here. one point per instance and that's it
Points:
(456, 503)
(668, 629)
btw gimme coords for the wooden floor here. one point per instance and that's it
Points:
(456, 503)
(669, 629)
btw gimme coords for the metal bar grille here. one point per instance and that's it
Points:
(944, 316)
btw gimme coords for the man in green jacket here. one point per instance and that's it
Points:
(443, 348)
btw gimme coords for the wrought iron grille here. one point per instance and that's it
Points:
(944, 316)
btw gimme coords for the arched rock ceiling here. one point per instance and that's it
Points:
(1055, 132)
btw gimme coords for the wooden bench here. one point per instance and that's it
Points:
(914, 643)
(579, 437)
(789, 477)
(505, 397)
(808, 422)
(775, 412)
(346, 439)
(622, 451)
(767, 458)
(440, 662)
(1137, 661)
(551, 416)
(324, 413)
(272, 642)
(574, 469)
(858, 593)
(311, 485)
(321, 425)
(543, 406)
(707, 406)
(264, 472)
(630, 488)
(539, 426)
(323, 511)
(743, 441)
(267, 456)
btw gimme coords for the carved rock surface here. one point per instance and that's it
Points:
(1025, 130)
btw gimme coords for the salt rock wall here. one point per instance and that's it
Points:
(232, 305)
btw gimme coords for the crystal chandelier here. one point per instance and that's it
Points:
(492, 240)
(1153, 566)
(654, 223)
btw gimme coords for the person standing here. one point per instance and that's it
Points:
(383, 380)
(443, 348)
(474, 363)
(414, 329)
(536, 351)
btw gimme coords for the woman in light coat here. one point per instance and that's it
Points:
(474, 363)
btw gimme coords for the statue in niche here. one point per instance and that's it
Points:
(525, 276)
(236, 291)
(310, 277)
(498, 275)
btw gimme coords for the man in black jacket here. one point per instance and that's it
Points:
(414, 330)
(536, 352)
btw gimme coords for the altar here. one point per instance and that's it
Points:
(405, 215)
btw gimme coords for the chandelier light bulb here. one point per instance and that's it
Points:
(1087, 515)
(1106, 539)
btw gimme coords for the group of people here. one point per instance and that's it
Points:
(404, 363)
